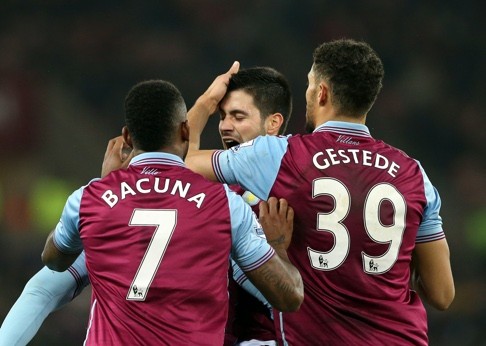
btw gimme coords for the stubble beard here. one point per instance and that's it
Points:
(310, 125)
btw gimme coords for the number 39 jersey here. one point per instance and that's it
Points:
(360, 207)
(157, 239)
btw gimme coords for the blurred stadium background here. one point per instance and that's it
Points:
(65, 68)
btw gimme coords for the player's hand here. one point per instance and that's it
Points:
(117, 155)
(277, 220)
(216, 91)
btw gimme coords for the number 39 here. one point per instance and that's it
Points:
(332, 222)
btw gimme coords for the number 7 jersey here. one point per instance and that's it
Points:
(360, 207)
(157, 239)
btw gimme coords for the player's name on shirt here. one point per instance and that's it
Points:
(330, 157)
(153, 185)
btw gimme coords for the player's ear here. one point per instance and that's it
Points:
(185, 131)
(273, 123)
(323, 95)
(126, 136)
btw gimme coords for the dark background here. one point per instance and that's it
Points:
(65, 68)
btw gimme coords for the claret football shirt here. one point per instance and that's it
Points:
(157, 239)
(360, 206)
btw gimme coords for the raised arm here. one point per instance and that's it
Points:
(117, 152)
(44, 293)
(432, 273)
(206, 105)
(278, 280)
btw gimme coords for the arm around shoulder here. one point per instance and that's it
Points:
(200, 161)
(432, 276)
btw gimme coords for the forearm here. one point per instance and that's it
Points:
(242, 280)
(280, 283)
(278, 280)
(432, 274)
(45, 292)
(198, 117)
(207, 104)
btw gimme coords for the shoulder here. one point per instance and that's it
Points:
(260, 143)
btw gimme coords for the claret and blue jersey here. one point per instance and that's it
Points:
(360, 206)
(157, 238)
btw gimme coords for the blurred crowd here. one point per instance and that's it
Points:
(65, 68)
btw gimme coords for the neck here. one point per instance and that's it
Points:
(161, 150)
(344, 118)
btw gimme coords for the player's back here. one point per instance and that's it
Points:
(147, 232)
(358, 204)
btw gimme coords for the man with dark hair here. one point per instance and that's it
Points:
(258, 101)
(154, 233)
(269, 91)
(363, 209)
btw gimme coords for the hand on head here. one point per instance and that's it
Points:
(216, 91)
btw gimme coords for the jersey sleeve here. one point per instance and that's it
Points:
(80, 273)
(66, 234)
(248, 250)
(260, 158)
(44, 293)
(430, 228)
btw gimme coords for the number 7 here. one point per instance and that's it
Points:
(165, 222)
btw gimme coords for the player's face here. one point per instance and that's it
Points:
(240, 119)
(311, 100)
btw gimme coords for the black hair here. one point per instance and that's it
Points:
(354, 73)
(153, 109)
(269, 88)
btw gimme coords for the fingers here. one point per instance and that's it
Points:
(277, 206)
(125, 151)
(290, 214)
(127, 155)
(283, 207)
(234, 68)
(118, 154)
(110, 145)
(272, 205)
(117, 146)
(263, 208)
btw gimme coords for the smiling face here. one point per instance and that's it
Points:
(240, 120)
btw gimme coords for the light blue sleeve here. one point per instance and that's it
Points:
(260, 158)
(430, 228)
(248, 250)
(44, 293)
(240, 277)
(66, 235)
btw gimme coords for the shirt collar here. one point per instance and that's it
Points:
(345, 128)
(156, 158)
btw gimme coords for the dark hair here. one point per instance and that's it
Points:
(269, 88)
(153, 109)
(354, 73)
